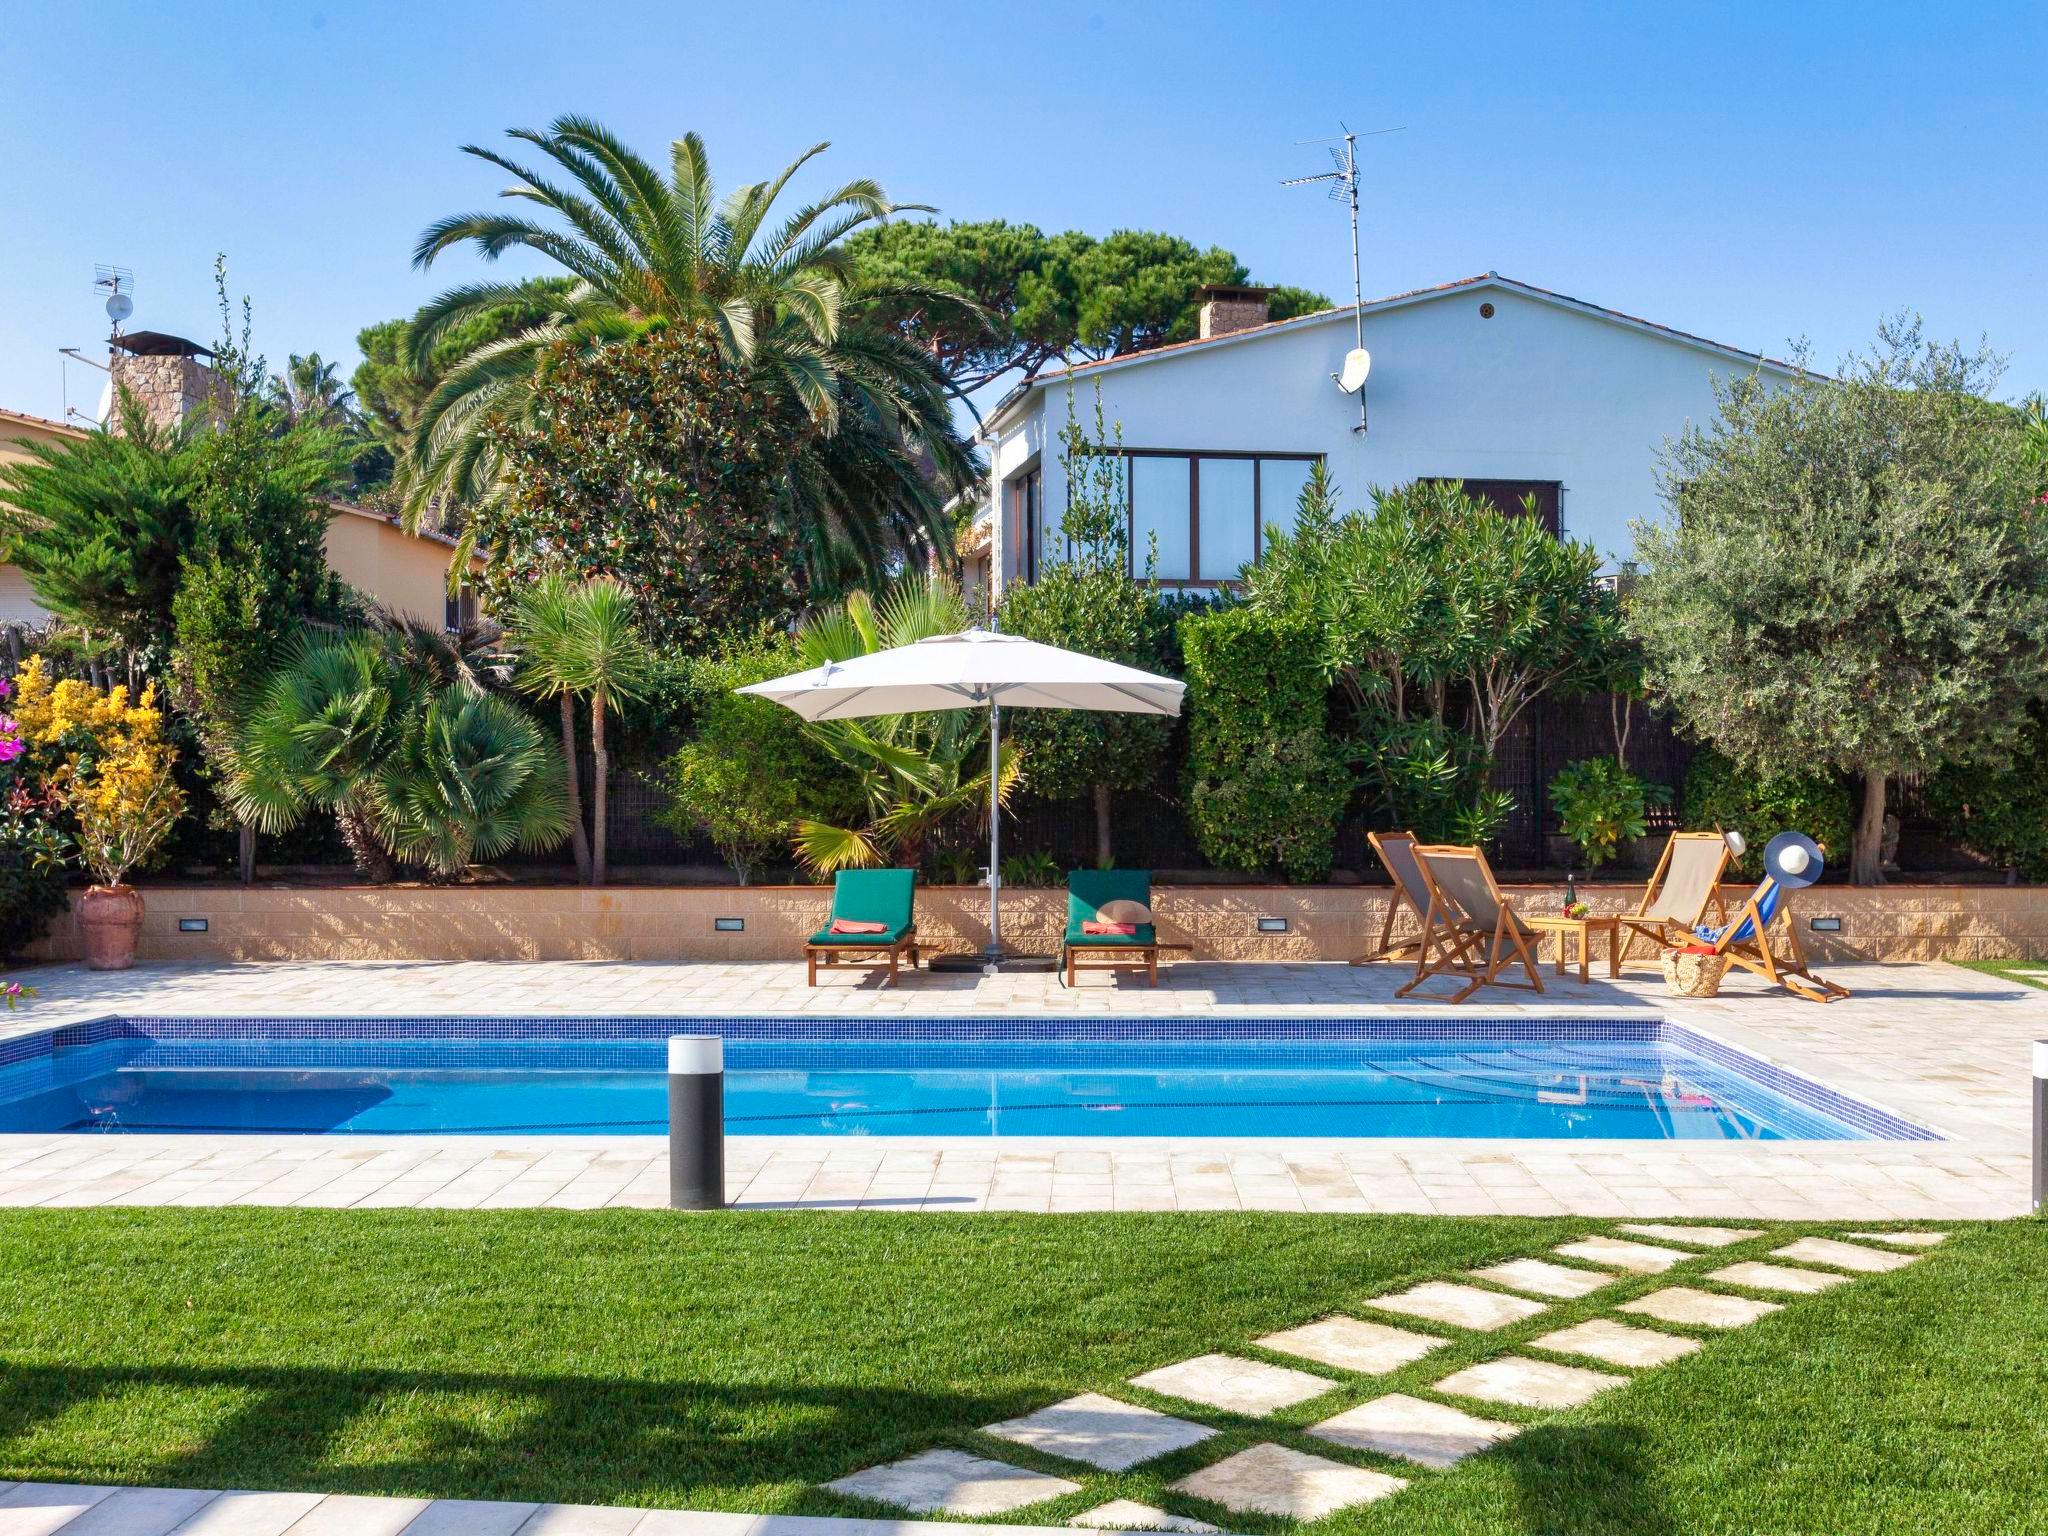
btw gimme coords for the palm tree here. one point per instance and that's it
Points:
(582, 640)
(310, 390)
(915, 771)
(883, 455)
(394, 731)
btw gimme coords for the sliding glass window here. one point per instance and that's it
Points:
(1197, 518)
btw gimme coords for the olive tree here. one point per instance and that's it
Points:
(1853, 573)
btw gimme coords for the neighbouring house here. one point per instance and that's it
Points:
(1512, 388)
(406, 572)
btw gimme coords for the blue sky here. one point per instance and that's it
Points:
(1754, 173)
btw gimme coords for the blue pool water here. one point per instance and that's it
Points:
(1544, 1082)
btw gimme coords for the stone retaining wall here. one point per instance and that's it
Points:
(1898, 922)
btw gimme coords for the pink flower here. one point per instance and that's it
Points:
(11, 748)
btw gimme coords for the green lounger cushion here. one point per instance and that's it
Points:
(1088, 889)
(871, 896)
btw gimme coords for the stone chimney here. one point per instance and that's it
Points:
(165, 374)
(1226, 308)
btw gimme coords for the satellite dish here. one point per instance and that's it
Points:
(119, 307)
(1357, 364)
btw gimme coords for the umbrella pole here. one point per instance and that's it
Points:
(995, 832)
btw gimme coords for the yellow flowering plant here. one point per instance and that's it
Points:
(108, 763)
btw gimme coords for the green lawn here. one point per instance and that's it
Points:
(2010, 970)
(734, 1362)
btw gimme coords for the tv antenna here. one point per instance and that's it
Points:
(118, 284)
(1344, 188)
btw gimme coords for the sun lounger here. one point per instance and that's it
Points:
(1088, 892)
(1747, 942)
(1469, 929)
(1686, 881)
(1411, 889)
(874, 911)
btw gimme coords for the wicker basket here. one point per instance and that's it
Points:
(1693, 975)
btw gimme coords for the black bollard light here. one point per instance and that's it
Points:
(696, 1123)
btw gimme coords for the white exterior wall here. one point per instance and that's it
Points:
(1537, 392)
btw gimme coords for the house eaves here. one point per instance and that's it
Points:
(1008, 405)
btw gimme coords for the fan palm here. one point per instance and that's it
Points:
(915, 771)
(311, 390)
(883, 455)
(375, 725)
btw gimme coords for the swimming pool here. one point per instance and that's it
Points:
(1578, 1079)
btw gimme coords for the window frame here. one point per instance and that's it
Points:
(1194, 580)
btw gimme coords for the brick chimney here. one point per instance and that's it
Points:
(165, 374)
(1226, 308)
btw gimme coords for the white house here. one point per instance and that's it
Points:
(1511, 388)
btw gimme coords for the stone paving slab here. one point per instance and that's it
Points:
(238, 1513)
(1698, 1237)
(1250, 1387)
(953, 1483)
(1776, 1277)
(1903, 1239)
(1275, 1480)
(1130, 1515)
(138, 1512)
(471, 1517)
(1840, 1255)
(1529, 1383)
(1621, 1253)
(1539, 1277)
(345, 1514)
(1462, 1306)
(1101, 1431)
(1617, 1343)
(1369, 1349)
(42, 1509)
(1431, 1434)
(1689, 1308)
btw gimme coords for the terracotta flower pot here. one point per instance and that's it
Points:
(111, 917)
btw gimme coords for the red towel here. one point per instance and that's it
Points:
(848, 925)
(1697, 949)
(1126, 929)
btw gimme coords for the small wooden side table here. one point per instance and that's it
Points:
(1561, 928)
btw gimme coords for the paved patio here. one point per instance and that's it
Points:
(1946, 1047)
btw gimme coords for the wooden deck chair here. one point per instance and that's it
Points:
(1686, 880)
(1747, 942)
(1397, 854)
(881, 904)
(1469, 928)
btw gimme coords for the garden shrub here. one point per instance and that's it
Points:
(2001, 813)
(749, 772)
(1266, 784)
(1719, 793)
(1600, 805)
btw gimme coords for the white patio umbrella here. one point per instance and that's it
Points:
(974, 668)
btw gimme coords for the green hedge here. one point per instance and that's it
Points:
(1267, 785)
(1718, 793)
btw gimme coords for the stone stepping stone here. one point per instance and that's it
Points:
(1620, 1253)
(1273, 1480)
(1540, 1277)
(1236, 1386)
(952, 1483)
(1689, 1308)
(1698, 1237)
(1370, 1349)
(1130, 1515)
(1826, 1250)
(1902, 1239)
(1529, 1383)
(1433, 1434)
(1617, 1343)
(1775, 1277)
(1462, 1306)
(1101, 1431)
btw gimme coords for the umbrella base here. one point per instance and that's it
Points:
(1005, 960)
